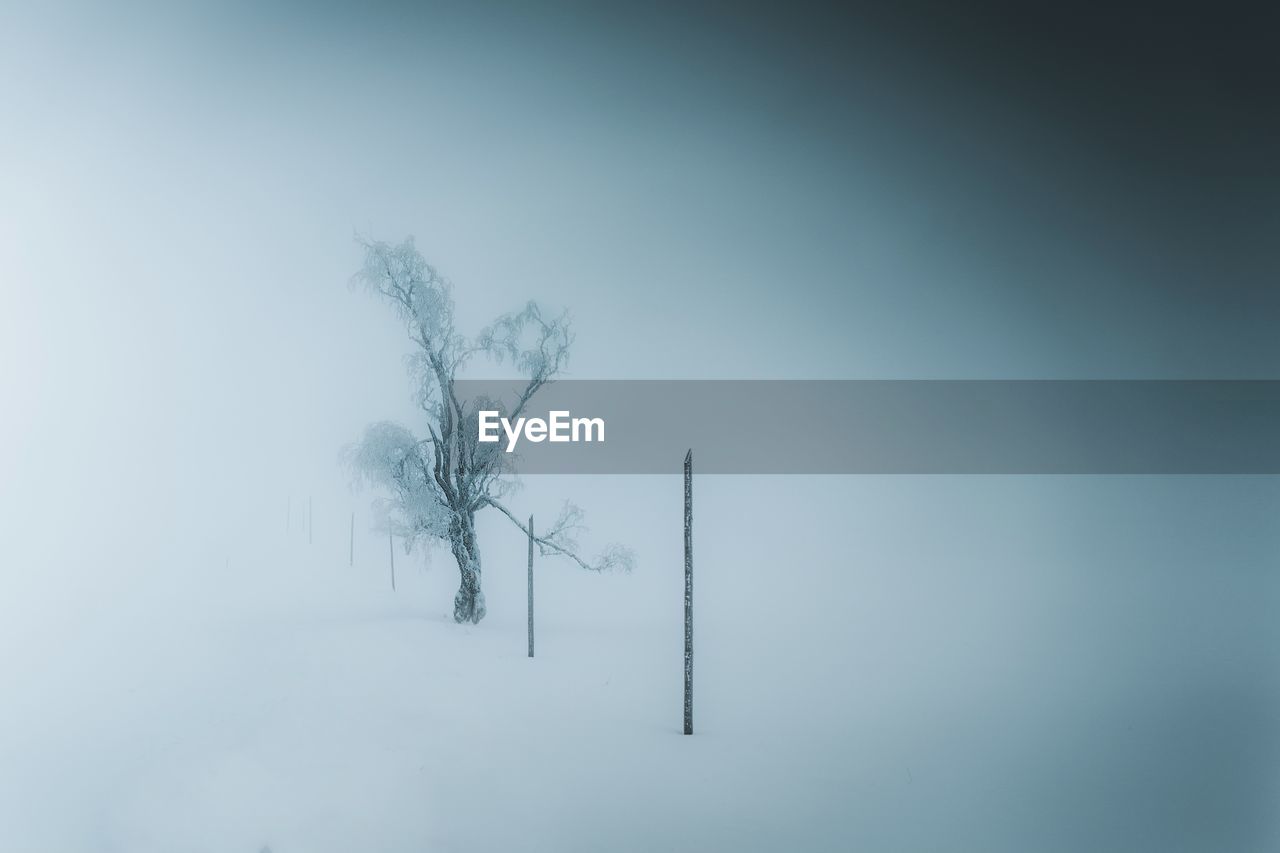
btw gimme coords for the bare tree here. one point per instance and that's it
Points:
(438, 483)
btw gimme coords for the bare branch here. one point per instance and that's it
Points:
(613, 557)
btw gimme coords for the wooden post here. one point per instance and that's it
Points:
(351, 559)
(391, 549)
(288, 513)
(310, 520)
(531, 586)
(688, 593)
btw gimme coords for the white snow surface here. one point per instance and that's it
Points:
(987, 683)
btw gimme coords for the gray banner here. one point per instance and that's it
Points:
(904, 427)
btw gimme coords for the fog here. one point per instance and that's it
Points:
(902, 663)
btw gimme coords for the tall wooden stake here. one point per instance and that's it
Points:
(531, 586)
(310, 521)
(688, 593)
(351, 560)
(391, 549)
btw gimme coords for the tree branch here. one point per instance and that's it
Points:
(547, 544)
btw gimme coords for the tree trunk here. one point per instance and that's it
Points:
(468, 604)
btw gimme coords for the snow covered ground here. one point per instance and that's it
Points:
(989, 684)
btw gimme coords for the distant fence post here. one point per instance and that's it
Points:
(351, 558)
(688, 592)
(531, 586)
(391, 549)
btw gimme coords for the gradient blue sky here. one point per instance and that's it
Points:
(871, 194)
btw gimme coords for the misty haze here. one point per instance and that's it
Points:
(264, 588)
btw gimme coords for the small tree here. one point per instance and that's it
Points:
(437, 484)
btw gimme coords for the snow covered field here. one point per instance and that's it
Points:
(713, 191)
(988, 686)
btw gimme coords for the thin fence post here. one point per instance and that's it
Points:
(391, 549)
(288, 513)
(688, 593)
(311, 525)
(351, 558)
(531, 586)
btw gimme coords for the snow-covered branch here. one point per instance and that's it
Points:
(558, 540)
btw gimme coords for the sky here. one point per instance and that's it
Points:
(885, 192)
(896, 191)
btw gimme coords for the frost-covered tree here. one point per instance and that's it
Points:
(436, 484)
